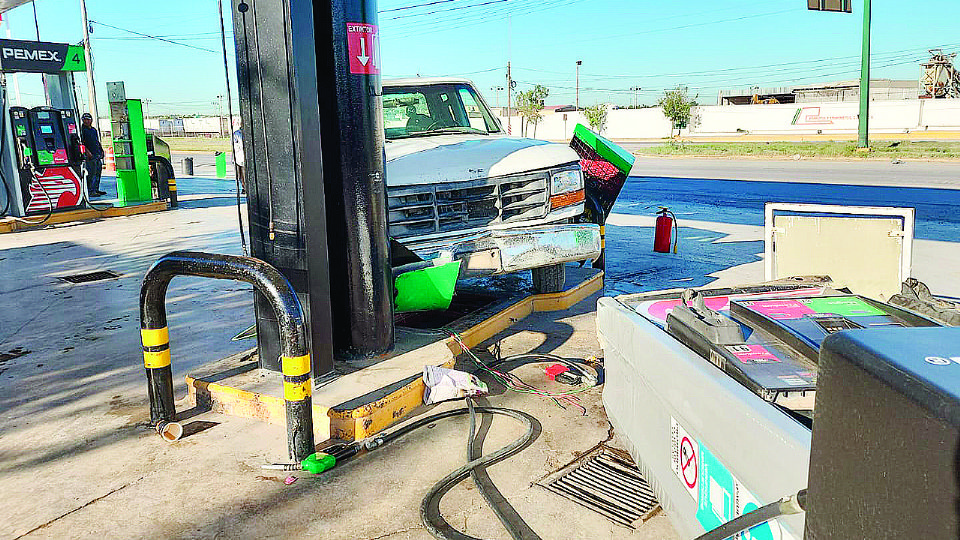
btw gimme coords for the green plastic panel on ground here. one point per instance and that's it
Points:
(608, 150)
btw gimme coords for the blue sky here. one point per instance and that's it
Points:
(703, 44)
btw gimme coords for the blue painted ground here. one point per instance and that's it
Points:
(632, 266)
(741, 201)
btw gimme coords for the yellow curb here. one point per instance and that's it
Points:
(8, 225)
(392, 406)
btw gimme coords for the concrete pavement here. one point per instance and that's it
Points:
(77, 459)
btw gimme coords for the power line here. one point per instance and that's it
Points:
(455, 8)
(720, 85)
(152, 37)
(443, 24)
(414, 6)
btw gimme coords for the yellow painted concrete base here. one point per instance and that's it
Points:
(14, 224)
(373, 406)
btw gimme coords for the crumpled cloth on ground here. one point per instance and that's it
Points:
(442, 384)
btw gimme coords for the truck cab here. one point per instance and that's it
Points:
(459, 188)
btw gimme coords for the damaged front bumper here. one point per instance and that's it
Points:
(504, 251)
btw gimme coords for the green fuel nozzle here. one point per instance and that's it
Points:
(318, 462)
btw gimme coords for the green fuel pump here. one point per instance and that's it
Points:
(129, 146)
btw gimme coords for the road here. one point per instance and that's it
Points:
(858, 173)
(204, 164)
(721, 220)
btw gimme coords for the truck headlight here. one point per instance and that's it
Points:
(566, 181)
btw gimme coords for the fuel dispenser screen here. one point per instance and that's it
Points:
(48, 136)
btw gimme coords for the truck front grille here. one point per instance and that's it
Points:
(457, 206)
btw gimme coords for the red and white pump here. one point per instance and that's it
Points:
(661, 238)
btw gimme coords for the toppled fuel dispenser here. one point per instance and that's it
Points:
(720, 417)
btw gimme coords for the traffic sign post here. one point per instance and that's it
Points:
(862, 137)
(846, 6)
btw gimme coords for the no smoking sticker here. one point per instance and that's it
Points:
(685, 458)
(688, 463)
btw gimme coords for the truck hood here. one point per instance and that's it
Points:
(451, 158)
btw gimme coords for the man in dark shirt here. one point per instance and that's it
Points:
(93, 156)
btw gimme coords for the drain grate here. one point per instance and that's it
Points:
(606, 481)
(91, 276)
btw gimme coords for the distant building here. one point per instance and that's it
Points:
(880, 90)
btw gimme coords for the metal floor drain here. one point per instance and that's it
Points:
(91, 276)
(606, 481)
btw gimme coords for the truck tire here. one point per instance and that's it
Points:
(549, 279)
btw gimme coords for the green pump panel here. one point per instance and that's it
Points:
(129, 146)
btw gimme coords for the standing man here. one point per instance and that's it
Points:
(238, 158)
(92, 156)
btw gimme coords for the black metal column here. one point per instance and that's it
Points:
(278, 80)
(351, 114)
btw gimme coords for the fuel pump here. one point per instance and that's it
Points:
(41, 154)
(48, 159)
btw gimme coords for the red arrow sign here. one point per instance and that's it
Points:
(363, 48)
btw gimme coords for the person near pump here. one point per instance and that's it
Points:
(92, 156)
(238, 158)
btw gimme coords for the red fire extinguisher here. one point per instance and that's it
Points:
(661, 239)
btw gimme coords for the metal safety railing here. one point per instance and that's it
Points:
(294, 360)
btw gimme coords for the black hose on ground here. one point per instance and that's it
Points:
(786, 506)
(430, 507)
(475, 467)
(508, 516)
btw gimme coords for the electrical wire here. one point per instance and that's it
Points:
(3, 143)
(442, 24)
(486, 3)
(263, 124)
(414, 6)
(515, 383)
(152, 37)
(236, 167)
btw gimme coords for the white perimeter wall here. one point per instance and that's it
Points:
(798, 119)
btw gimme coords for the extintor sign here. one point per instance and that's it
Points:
(363, 47)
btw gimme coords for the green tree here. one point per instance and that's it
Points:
(596, 117)
(676, 105)
(530, 106)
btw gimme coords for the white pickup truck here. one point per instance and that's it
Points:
(458, 187)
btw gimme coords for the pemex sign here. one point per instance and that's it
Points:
(40, 56)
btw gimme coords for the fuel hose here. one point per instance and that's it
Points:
(433, 521)
(793, 504)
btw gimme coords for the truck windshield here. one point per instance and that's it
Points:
(413, 111)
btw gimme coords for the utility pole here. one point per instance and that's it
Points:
(509, 95)
(863, 140)
(36, 21)
(220, 113)
(16, 81)
(636, 97)
(88, 58)
(578, 84)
